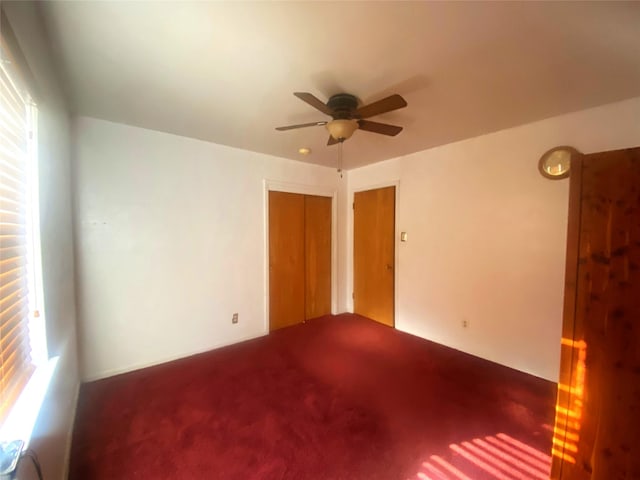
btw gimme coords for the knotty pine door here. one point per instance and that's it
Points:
(299, 258)
(597, 432)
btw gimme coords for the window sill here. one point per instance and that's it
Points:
(22, 418)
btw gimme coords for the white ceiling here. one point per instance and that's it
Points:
(225, 71)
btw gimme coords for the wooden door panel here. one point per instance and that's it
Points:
(570, 351)
(374, 254)
(599, 436)
(286, 259)
(317, 256)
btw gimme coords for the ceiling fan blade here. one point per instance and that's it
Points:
(314, 102)
(301, 125)
(385, 105)
(383, 128)
(332, 141)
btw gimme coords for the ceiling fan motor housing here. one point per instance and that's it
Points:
(343, 106)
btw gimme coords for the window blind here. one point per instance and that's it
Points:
(15, 348)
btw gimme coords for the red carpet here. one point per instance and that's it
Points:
(335, 398)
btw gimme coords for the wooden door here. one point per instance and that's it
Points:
(317, 221)
(597, 434)
(286, 259)
(374, 253)
(299, 258)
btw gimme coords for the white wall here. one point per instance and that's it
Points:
(170, 241)
(487, 234)
(52, 432)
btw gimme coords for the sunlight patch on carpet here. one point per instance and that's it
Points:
(499, 457)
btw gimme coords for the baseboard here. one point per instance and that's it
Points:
(133, 368)
(67, 455)
(476, 354)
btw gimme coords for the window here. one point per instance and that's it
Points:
(22, 345)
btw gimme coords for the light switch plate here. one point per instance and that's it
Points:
(403, 236)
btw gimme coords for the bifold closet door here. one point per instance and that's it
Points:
(299, 258)
(286, 259)
(317, 256)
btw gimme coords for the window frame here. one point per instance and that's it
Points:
(19, 84)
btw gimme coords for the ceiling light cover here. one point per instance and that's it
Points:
(342, 129)
(556, 163)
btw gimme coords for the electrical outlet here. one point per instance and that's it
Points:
(465, 323)
(234, 319)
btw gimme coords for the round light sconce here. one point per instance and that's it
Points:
(556, 163)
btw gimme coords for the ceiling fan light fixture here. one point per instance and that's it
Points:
(342, 129)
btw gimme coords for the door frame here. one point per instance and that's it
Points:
(350, 241)
(301, 189)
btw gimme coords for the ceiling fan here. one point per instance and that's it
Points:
(347, 117)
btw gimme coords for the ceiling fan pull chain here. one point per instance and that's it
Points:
(340, 157)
